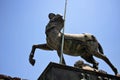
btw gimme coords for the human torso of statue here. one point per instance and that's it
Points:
(53, 34)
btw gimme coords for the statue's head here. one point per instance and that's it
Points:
(56, 22)
(51, 15)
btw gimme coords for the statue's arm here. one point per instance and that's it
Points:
(56, 18)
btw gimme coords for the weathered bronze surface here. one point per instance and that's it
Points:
(84, 45)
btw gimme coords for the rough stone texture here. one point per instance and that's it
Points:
(61, 72)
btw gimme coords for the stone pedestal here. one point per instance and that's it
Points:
(56, 71)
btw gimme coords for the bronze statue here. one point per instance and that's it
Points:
(84, 45)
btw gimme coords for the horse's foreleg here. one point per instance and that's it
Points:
(31, 60)
(34, 47)
(101, 56)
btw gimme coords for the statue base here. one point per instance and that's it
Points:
(56, 71)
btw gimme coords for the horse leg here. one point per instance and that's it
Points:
(34, 47)
(59, 54)
(90, 59)
(103, 57)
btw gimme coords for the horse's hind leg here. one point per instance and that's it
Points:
(90, 59)
(101, 56)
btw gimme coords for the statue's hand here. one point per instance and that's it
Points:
(31, 60)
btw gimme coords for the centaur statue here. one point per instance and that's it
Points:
(84, 45)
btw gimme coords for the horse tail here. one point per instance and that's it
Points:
(100, 48)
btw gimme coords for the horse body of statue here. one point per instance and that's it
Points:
(84, 45)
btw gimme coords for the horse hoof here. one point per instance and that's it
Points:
(32, 61)
(115, 71)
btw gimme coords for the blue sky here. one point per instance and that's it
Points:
(22, 24)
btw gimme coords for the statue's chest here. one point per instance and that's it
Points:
(53, 39)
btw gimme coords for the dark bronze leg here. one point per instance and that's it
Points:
(34, 47)
(90, 59)
(103, 57)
